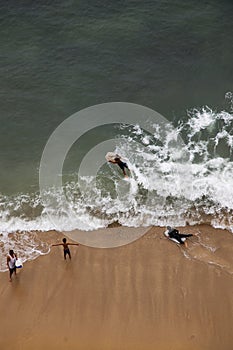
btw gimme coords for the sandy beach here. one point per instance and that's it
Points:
(150, 294)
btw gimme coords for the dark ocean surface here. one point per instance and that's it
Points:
(58, 57)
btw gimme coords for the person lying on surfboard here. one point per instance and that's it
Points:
(175, 234)
(117, 160)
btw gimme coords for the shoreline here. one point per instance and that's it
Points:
(116, 233)
(148, 294)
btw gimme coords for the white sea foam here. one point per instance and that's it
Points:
(168, 184)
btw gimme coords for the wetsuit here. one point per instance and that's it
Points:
(176, 235)
(121, 164)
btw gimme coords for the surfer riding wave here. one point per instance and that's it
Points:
(116, 159)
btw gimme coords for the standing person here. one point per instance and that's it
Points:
(117, 160)
(11, 260)
(174, 233)
(65, 245)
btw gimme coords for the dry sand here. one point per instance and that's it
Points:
(145, 295)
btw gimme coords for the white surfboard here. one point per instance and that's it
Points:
(18, 264)
(110, 156)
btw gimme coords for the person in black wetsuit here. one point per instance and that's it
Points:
(121, 164)
(174, 233)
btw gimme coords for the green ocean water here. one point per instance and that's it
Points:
(58, 57)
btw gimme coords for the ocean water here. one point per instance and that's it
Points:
(59, 57)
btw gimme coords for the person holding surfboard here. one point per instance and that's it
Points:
(65, 245)
(117, 160)
(176, 235)
(11, 261)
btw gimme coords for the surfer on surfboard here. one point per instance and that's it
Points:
(176, 235)
(116, 159)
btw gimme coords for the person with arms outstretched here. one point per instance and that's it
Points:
(65, 245)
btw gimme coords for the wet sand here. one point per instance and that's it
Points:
(150, 294)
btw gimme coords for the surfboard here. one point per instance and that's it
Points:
(173, 239)
(18, 264)
(110, 156)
